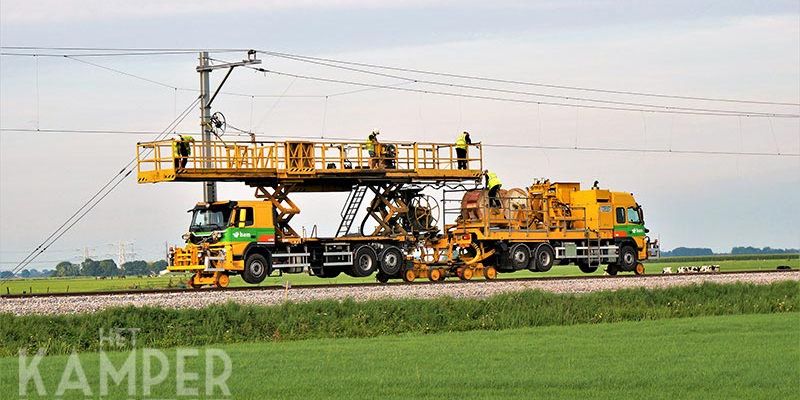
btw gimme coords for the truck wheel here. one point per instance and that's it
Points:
(490, 273)
(391, 260)
(639, 269)
(365, 261)
(586, 267)
(326, 272)
(409, 275)
(256, 268)
(627, 258)
(543, 257)
(435, 275)
(520, 255)
(381, 277)
(612, 269)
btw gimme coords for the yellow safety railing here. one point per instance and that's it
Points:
(159, 159)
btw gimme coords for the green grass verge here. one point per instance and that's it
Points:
(723, 357)
(83, 284)
(231, 323)
(728, 257)
(725, 265)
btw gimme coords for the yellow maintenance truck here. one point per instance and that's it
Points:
(404, 234)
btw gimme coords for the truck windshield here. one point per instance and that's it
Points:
(205, 220)
(634, 215)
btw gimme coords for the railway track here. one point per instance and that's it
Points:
(377, 284)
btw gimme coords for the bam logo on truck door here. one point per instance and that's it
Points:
(628, 231)
(261, 235)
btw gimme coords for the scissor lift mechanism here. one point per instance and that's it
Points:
(278, 169)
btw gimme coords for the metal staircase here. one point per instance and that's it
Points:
(350, 209)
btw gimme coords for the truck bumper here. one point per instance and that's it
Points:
(653, 249)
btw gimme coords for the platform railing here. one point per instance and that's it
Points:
(299, 157)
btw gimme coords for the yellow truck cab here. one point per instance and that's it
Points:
(619, 221)
(239, 237)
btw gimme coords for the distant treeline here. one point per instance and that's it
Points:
(739, 250)
(91, 267)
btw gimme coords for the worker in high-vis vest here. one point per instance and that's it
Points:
(493, 184)
(372, 146)
(462, 143)
(181, 149)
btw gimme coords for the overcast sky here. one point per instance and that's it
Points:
(744, 49)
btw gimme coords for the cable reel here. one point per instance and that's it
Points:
(423, 213)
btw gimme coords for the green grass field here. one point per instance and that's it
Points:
(724, 357)
(236, 323)
(60, 285)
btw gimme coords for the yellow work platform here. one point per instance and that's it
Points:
(315, 166)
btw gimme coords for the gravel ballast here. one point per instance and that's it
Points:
(475, 289)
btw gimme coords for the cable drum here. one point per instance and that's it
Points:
(423, 213)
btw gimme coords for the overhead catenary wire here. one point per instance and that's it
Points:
(65, 228)
(275, 103)
(660, 107)
(160, 83)
(98, 197)
(123, 50)
(526, 83)
(122, 72)
(50, 250)
(183, 89)
(78, 131)
(166, 50)
(515, 100)
(368, 87)
(47, 261)
(99, 55)
(246, 133)
(337, 94)
(174, 87)
(526, 93)
(169, 85)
